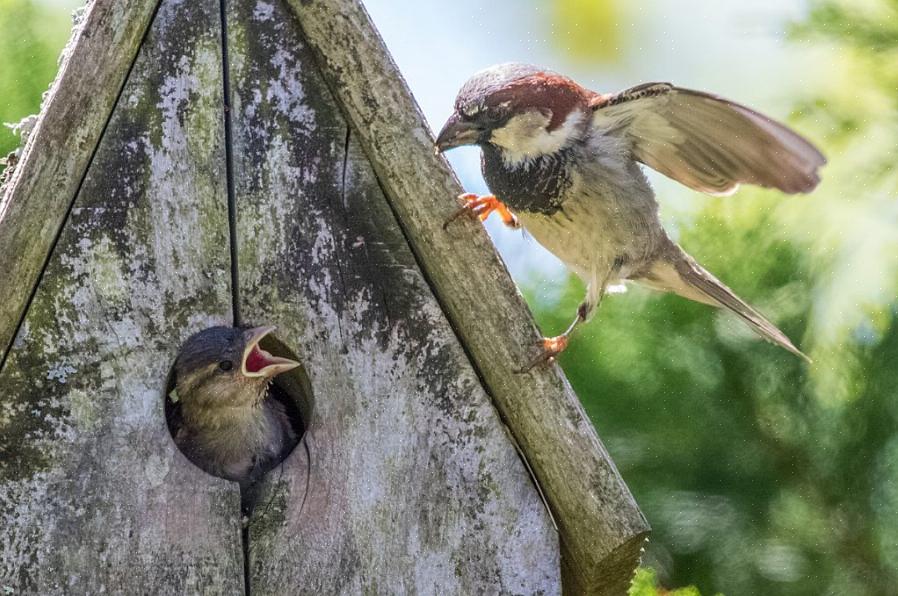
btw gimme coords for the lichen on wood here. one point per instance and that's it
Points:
(413, 486)
(601, 526)
(406, 480)
(75, 110)
(94, 496)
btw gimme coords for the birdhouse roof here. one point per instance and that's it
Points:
(263, 161)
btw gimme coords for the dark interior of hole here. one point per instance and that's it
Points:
(291, 389)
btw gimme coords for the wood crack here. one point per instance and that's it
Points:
(229, 168)
(340, 253)
(233, 248)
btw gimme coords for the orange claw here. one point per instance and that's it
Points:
(483, 207)
(551, 347)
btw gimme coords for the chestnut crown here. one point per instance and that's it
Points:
(541, 100)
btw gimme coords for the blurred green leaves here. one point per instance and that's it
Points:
(588, 30)
(759, 474)
(646, 584)
(32, 35)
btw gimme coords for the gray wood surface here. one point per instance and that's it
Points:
(414, 487)
(601, 526)
(406, 482)
(59, 149)
(94, 496)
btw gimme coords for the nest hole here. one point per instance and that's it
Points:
(291, 389)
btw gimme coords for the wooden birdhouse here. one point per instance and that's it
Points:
(248, 162)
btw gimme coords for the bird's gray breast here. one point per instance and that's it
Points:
(538, 185)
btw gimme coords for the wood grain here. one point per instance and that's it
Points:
(94, 496)
(406, 481)
(601, 526)
(59, 149)
(414, 486)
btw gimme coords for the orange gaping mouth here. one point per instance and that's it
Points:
(260, 363)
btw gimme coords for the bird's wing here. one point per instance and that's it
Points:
(706, 142)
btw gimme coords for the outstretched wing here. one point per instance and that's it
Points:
(706, 142)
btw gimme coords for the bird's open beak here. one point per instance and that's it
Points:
(457, 132)
(259, 363)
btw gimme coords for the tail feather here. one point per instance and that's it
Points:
(682, 275)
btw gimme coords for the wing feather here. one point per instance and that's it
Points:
(706, 142)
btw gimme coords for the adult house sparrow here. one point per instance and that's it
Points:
(223, 416)
(563, 161)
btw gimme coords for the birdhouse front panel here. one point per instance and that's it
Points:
(94, 495)
(410, 483)
(228, 189)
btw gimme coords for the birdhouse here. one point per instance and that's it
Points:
(262, 162)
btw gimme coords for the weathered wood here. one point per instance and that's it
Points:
(59, 149)
(601, 526)
(94, 496)
(414, 485)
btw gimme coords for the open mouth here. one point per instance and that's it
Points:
(260, 363)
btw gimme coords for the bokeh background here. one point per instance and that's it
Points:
(760, 474)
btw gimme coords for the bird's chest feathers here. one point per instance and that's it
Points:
(537, 184)
(606, 215)
(231, 436)
(527, 163)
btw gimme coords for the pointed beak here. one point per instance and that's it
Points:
(457, 132)
(257, 363)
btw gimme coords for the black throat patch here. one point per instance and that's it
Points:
(538, 186)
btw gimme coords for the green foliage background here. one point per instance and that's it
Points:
(759, 474)
(31, 37)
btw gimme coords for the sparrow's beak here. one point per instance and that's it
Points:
(259, 363)
(457, 132)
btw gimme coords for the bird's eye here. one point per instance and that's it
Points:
(225, 365)
(471, 112)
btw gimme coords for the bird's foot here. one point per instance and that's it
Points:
(483, 207)
(550, 348)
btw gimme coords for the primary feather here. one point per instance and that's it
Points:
(706, 142)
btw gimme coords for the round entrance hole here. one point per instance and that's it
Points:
(237, 402)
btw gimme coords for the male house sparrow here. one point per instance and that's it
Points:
(226, 420)
(563, 161)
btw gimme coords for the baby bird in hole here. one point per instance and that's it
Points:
(224, 412)
(564, 162)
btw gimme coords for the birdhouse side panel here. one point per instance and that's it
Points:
(407, 481)
(94, 496)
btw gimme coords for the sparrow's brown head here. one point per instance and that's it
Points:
(523, 110)
(224, 367)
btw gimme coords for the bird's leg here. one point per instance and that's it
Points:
(551, 347)
(483, 207)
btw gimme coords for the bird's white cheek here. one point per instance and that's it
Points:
(525, 137)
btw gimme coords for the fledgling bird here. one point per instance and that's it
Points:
(564, 162)
(227, 421)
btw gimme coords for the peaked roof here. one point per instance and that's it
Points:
(601, 527)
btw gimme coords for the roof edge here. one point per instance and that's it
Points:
(596, 513)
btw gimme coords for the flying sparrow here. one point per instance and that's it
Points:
(563, 161)
(225, 418)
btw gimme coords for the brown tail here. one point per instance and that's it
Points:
(679, 273)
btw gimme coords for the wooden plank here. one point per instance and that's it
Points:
(601, 526)
(94, 496)
(60, 147)
(414, 487)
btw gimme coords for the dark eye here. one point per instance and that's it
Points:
(225, 365)
(497, 113)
